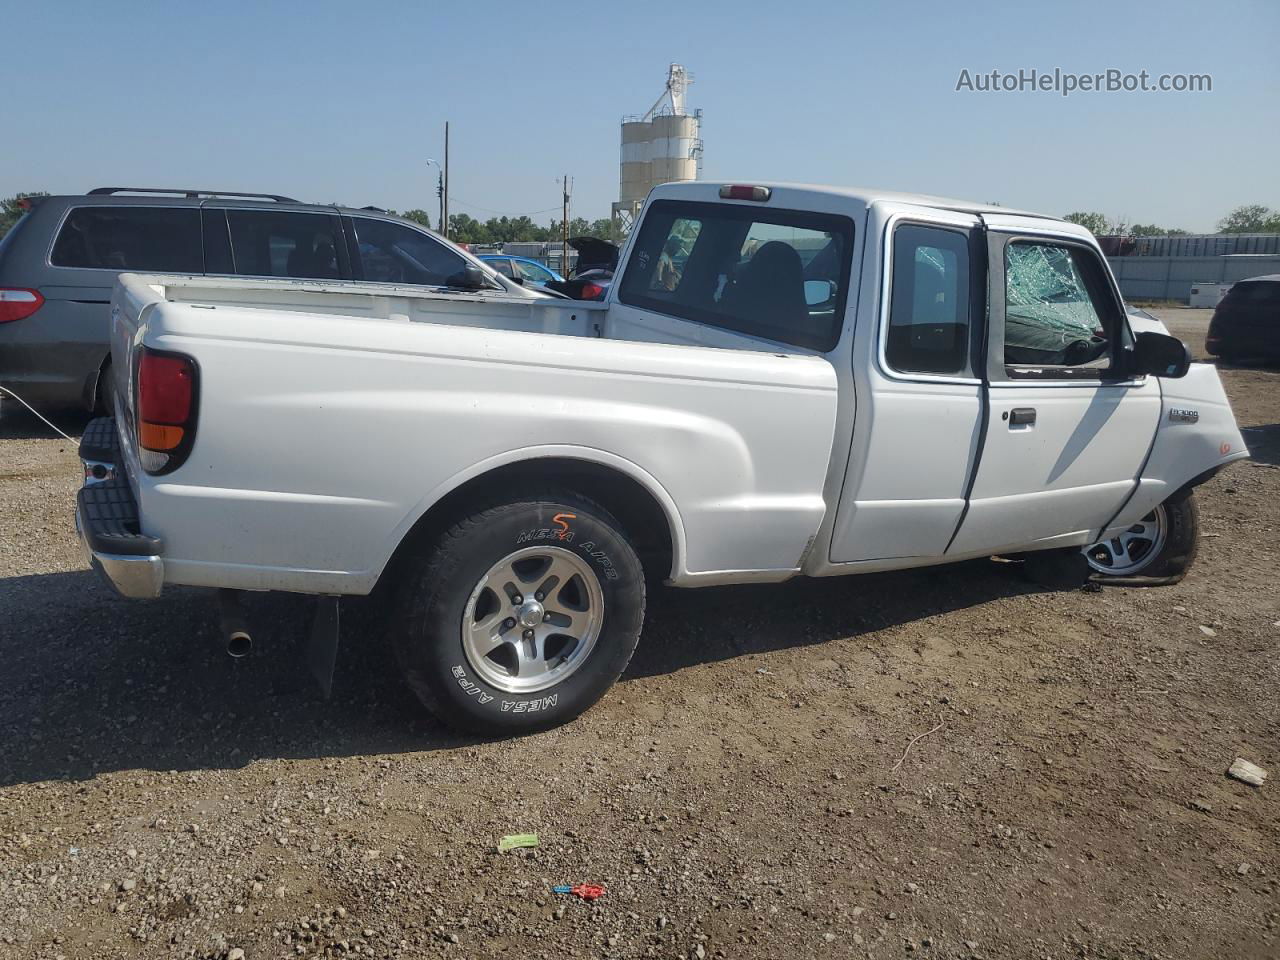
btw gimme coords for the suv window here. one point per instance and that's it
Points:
(779, 274)
(161, 239)
(268, 243)
(929, 302)
(391, 253)
(1057, 310)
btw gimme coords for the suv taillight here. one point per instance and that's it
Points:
(166, 409)
(17, 303)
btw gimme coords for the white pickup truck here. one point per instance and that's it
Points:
(783, 380)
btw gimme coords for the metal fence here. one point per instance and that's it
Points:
(1170, 278)
(1193, 245)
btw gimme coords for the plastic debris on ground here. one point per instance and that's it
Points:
(515, 840)
(586, 891)
(1246, 772)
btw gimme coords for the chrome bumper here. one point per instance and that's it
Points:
(107, 520)
(136, 578)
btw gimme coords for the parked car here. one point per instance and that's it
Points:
(593, 273)
(1246, 322)
(510, 469)
(521, 269)
(59, 263)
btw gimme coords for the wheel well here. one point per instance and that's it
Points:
(631, 504)
(94, 398)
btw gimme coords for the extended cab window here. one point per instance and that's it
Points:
(267, 243)
(929, 304)
(391, 253)
(778, 274)
(1058, 310)
(159, 239)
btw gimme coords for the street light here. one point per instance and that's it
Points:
(439, 193)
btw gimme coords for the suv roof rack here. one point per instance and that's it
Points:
(192, 194)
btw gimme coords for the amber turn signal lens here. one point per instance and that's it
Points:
(155, 436)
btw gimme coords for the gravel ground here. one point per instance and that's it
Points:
(739, 793)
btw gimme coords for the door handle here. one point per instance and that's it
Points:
(1021, 416)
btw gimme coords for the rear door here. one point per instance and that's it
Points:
(74, 263)
(1066, 431)
(265, 241)
(919, 390)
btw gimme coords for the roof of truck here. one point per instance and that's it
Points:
(864, 195)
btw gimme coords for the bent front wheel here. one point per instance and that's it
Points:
(1157, 550)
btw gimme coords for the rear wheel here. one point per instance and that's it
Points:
(521, 616)
(1158, 549)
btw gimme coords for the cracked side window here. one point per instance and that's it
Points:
(1051, 316)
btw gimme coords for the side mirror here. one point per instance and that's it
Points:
(818, 291)
(1160, 355)
(470, 277)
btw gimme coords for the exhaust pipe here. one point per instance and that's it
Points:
(234, 625)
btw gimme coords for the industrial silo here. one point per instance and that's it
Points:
(635, 176)
(659, 147)
(671, 152)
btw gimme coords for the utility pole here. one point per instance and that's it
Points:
(564, 231)
(440, 195)
(444, 196)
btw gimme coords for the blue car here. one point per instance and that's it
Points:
(521, 269)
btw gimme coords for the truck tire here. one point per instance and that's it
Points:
(520, 616)
(1155, 551)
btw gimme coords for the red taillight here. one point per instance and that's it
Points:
(165, 385)
(592, 291)
(165, 409)
(742, 191)
(16, 303)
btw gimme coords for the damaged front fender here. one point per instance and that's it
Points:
(1197, 436)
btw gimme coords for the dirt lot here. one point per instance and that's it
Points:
(736, 793)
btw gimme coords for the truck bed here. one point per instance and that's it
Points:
(332, 417)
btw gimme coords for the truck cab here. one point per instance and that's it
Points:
(990, 388)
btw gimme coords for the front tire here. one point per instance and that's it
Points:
(1155, 551)
(521, 616)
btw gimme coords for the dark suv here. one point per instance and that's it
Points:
(58, 265)
(1246, 323)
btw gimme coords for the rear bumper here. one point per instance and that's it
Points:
(108, 521)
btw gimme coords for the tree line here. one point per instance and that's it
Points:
(466, 229)
(1250, 218)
